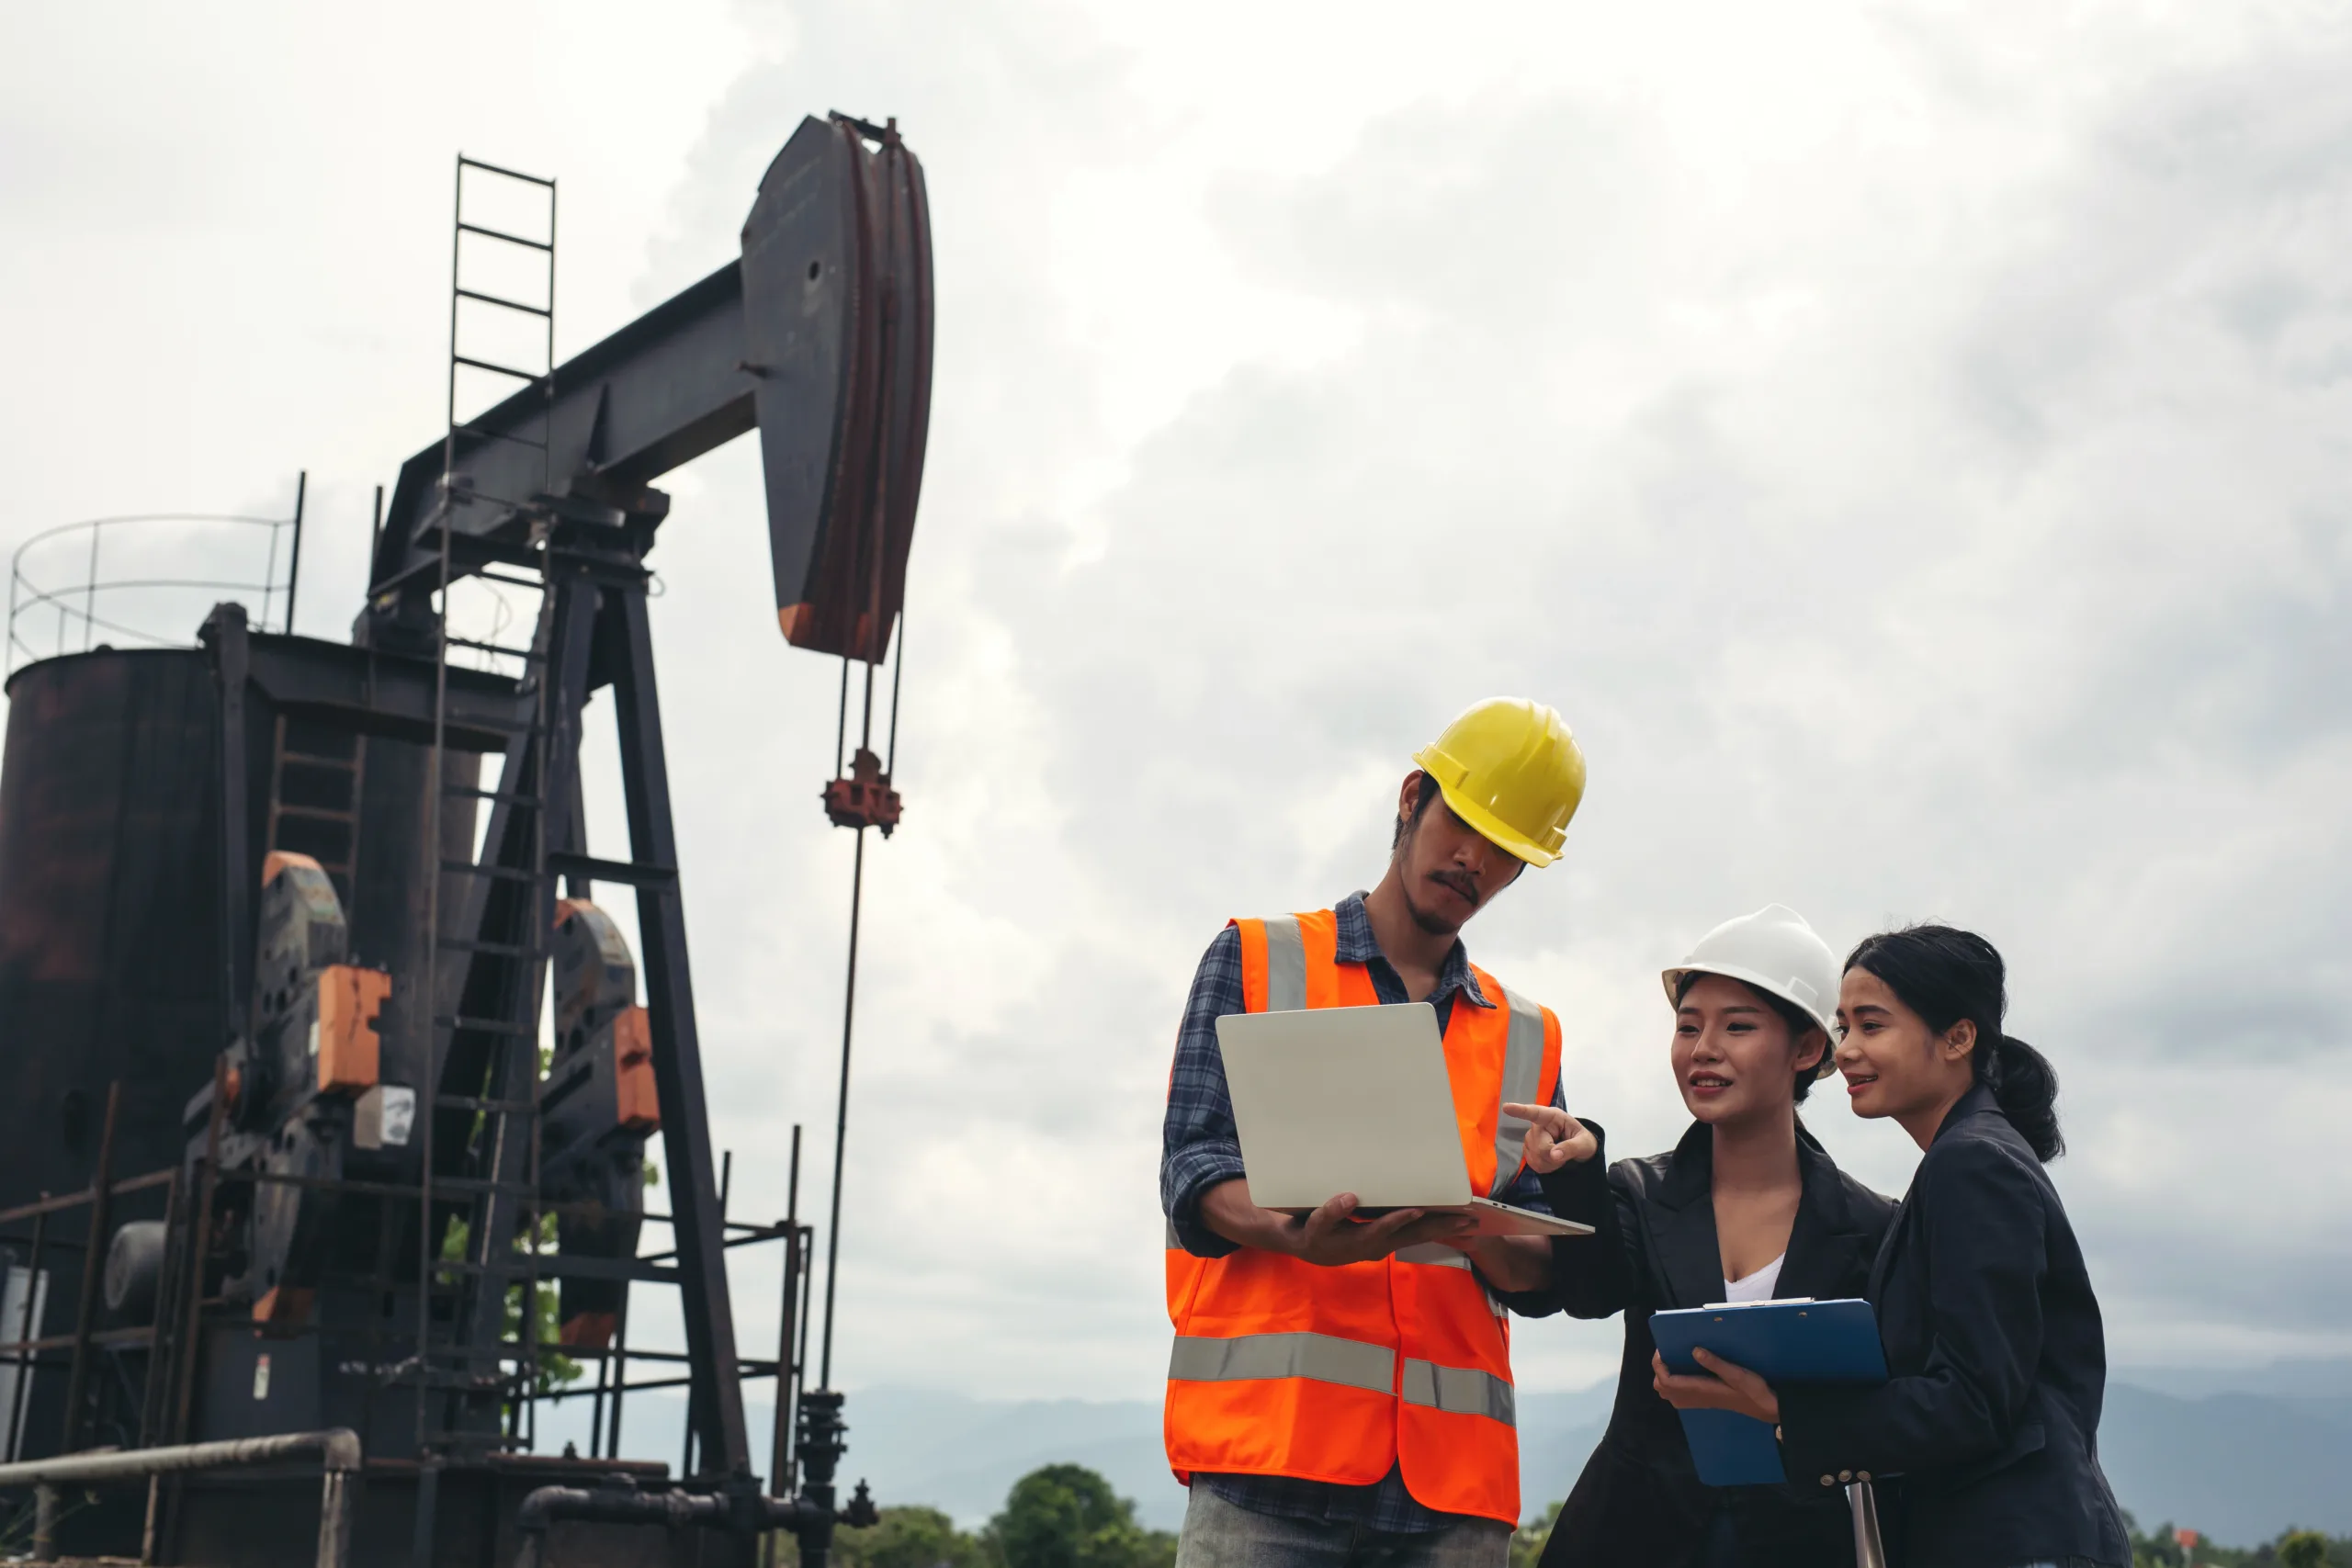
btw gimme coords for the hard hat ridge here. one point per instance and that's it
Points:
(1776, 951)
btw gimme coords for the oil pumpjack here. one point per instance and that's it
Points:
(283, 1173)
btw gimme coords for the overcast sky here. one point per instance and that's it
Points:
(1909, 442)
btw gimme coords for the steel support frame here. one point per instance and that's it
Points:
(698, 1227)
(505, 1069)
(225, 635)
(595, 627)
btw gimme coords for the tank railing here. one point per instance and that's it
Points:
(337, 1448)
(61, 601)
(24, 1349)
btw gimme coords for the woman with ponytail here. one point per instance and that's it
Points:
(1996, 1357)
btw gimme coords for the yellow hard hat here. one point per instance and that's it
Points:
(1510, 769)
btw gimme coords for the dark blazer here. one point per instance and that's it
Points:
(1639, 1501)
(1997, 1366)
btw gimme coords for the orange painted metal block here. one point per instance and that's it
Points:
(588, 1330)
(640, 1108)
(284, 1307)
(348, 1048)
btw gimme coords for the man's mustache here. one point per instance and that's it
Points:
(1461, 882)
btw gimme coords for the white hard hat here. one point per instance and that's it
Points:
(1772, 950)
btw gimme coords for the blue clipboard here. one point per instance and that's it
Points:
(1786, 1341)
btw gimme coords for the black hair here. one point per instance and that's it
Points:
(1800, 1022)
(1945, 974)
(1421, 809)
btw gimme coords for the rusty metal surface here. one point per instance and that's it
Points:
(109, 965)
(837, 309)
(336, 1448)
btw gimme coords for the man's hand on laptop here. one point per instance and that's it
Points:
(1331, 1235)
(1554, 1138)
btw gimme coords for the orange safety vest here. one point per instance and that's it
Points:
(1286, 1368)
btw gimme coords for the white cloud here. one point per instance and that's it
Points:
(1906, 443)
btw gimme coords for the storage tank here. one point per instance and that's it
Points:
(110, 956)
(113, 962)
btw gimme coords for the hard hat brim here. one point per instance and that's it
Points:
(1673, 979)
(1483, 822)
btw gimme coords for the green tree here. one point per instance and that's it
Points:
(2302, 1549)
(555, 1369)
(1528, 1541)
(1065, 1515)
(907, 1537)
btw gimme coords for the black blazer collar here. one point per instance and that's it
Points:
(1689, 1254)
(1977, 1100)
(1682, 1223)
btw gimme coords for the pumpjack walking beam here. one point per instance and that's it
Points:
(820, 337)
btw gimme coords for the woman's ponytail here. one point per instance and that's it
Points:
(2026, 1085)
(1946, 975)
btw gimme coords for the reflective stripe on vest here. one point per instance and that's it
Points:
(1522, 1081)
(1434, 1253)
(1286, 967)
(1459, 1390)
(1322, 1357)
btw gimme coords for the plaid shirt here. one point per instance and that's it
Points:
(1199, 1148)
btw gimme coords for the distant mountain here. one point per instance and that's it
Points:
(2239, 1465)
(2323, 1379)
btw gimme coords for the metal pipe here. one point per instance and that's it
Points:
(780, 1437)
(86, 1311)
(737, 1507)
(616, 1500)
(334, 1514)
(151, 1403)
(26, 1363)
(424, 1530)
(1869, 1550)
(337, 1448)
(184, 1353)
(840, 1111)
(294, 566)
(375, 533)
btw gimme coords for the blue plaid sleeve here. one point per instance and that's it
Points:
(1198, 1145)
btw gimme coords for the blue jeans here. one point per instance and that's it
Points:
(1218, 1534)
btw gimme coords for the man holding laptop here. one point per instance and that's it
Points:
(1340, 1389)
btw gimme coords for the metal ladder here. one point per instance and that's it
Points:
(315, 780)
(482, 1078)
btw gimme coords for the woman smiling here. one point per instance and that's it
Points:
(1996, 1358)
(1747, 1206)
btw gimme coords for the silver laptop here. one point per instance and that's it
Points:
(1355, 1100)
